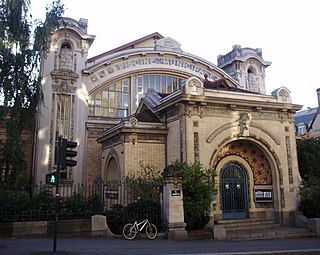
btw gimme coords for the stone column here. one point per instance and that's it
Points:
(172, 204)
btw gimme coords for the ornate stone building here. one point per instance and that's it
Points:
(150, 102)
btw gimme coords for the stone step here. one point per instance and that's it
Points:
(270, 233)
(247, 224)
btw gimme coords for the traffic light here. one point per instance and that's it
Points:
(51, 178)
(60, 201)
(67, 152)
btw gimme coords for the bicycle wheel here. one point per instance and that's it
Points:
(151, 231)
(129, 231)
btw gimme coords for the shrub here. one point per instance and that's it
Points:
(145, 184)
(310, 198)
(198, 186)
(43, 202)
(13, 203)
(74, 206)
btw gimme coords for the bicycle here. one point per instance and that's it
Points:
(130, 230)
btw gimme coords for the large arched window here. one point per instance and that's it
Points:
(114, 100)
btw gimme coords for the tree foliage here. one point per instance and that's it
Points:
(198, 187)
(309, 167)
(21, 47)
(309, 158)
(145, 184)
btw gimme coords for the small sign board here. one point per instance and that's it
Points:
(263, 195)
(176, 192)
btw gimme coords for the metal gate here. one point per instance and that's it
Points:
(233, 192)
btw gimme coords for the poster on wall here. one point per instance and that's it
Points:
(263, 195)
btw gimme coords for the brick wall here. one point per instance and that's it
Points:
(93, 160)
(152, 154)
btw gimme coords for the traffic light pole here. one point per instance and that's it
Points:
(63, 154)
(57, 197)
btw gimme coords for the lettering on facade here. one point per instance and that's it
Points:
(144, 62)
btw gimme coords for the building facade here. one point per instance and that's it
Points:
(150, 103)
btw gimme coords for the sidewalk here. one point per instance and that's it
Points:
(103, 246)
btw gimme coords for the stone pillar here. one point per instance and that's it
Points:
(99, 226)
(172, 204)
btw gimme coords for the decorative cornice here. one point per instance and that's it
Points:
(64, 74)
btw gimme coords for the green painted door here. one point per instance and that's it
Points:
(233, 192)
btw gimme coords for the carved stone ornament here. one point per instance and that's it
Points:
(194, 83)
(133, 121)
(284, 94)
(64, 74)
(244, 122)
(64, 86)
(168, 44)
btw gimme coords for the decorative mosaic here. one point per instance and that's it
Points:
(254, 156)
(196, 145)
(282, 198)
(288, 147)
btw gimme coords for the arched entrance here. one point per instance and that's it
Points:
(233, 190)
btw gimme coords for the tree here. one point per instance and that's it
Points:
(309, 161)
(21, 48)
(309, 158)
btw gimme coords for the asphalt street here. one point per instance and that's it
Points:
(101, 246)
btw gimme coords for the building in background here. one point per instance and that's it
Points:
(149, 102)
(307, 122)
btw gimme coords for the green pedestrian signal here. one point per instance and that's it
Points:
(51, 178)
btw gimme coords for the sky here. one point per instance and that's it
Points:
(287, 31)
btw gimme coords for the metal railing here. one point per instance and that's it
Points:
(115, 200)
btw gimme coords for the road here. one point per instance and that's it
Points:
(100, 246)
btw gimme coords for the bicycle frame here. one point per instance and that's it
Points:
(131, 229)
(143, 223)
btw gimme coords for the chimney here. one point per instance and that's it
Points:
(318, 94)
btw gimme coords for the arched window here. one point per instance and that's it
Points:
(66, 45)
(63, 115)
(251, 70)
(111, 174)
(66, 59)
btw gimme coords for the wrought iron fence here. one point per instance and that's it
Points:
(115, 199)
